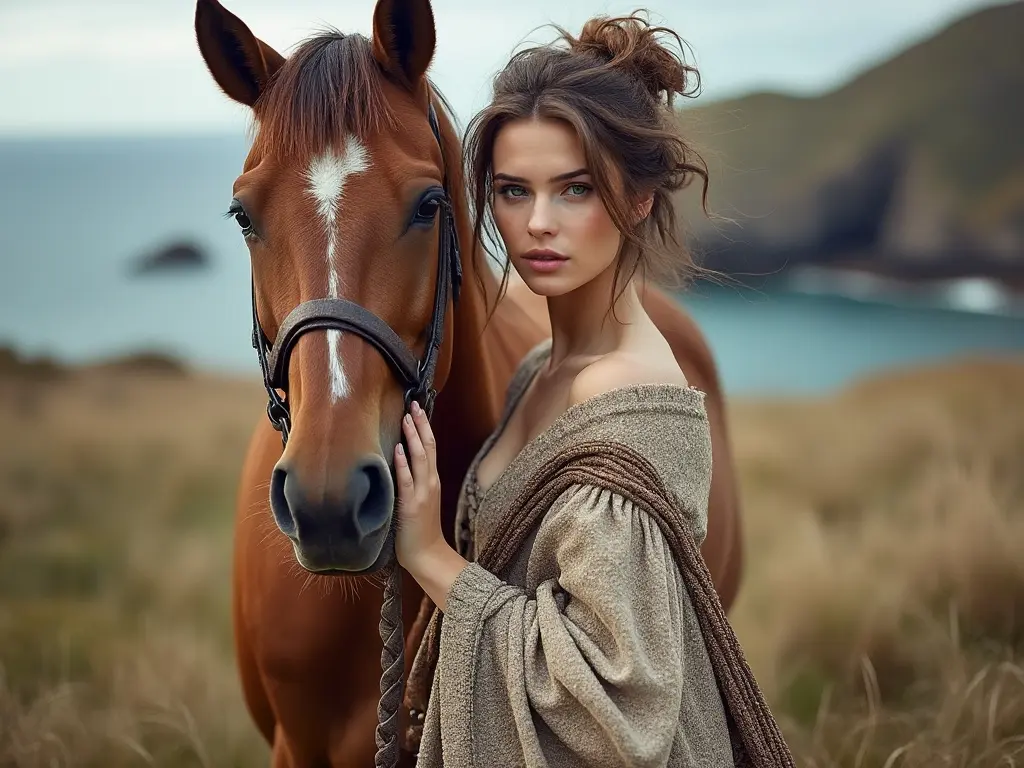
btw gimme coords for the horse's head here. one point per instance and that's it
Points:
(342, 197)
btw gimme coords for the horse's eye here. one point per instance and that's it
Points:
(237, 212)
(428, 209)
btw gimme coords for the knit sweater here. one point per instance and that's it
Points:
(586, 649)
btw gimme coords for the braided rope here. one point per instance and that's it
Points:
(392, 664)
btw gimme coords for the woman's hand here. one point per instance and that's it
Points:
(419, 543)
(419, 490)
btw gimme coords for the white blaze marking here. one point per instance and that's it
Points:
(326, 175)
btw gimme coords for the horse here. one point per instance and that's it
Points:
(351, 184)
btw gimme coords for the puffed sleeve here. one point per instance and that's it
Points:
(588, 670)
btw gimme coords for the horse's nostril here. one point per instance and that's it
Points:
(356, 516)
(279, 505)
(370, 495)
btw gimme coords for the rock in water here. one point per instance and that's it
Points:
(175, 257)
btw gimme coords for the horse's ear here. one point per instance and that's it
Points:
(241, 63)
(404, 38)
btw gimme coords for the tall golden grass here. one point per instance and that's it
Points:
(116, 491)
(882, 608)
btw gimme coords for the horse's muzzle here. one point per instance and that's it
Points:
(343, 532)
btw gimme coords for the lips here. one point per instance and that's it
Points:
(544, 256)
(544, 261)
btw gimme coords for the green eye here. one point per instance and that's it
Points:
(578, 189)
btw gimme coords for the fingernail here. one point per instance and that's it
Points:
(401, 450)
(415, 407)
(407, 419)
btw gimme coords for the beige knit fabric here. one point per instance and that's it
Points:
(584, 648)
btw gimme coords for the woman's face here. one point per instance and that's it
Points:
(556, 229)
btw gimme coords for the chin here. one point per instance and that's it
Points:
(548, 286)
(550, 289)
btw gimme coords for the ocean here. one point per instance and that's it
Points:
(75, 214)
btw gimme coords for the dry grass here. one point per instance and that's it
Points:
(883, 608)
(116, 489)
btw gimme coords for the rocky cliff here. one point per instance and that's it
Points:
(913, 168)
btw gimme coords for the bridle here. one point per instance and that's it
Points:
(347, 316)
(417, 376)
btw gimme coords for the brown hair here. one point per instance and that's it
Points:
(329, 86)
(615, 85)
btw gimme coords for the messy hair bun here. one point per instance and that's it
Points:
(631, 43)
(614, 84)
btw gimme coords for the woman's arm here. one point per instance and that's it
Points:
(590, 668)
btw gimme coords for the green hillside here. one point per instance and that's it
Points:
(918, 161)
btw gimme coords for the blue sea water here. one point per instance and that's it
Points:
(74, 214)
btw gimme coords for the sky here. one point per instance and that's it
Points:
(116, 67)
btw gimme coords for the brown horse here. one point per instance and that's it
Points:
(337, 199)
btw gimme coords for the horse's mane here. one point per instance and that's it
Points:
(329, 87)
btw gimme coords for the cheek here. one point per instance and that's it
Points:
(509, 219)
(593, 225)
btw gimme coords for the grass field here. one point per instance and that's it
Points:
(883, 605)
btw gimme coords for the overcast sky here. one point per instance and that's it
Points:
(132, 66)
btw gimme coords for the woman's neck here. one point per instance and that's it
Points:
(582, 324)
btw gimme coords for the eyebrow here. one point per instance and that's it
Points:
(559, 177)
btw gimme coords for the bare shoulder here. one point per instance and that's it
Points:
(623, 369)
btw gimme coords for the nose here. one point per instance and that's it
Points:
(542, 220)
(341, 529)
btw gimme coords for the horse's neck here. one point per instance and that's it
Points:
(475, 383)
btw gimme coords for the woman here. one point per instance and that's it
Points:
(573, 626)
